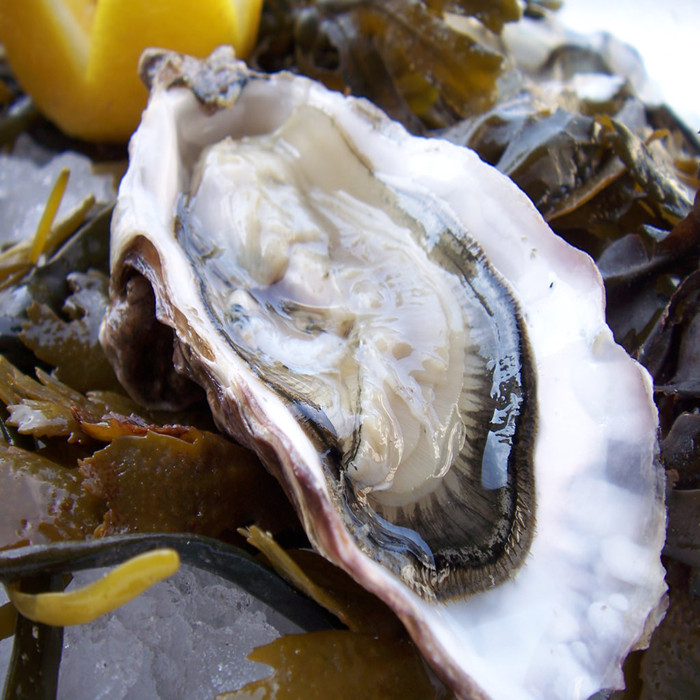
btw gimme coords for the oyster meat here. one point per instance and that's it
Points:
(391, 326)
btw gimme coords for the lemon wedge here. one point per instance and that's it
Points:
(78, 58)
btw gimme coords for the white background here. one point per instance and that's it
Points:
(665, 32)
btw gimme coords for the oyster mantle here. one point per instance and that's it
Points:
(321, 274)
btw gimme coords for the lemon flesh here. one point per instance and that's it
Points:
(78, 58)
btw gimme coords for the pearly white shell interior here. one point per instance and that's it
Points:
(562, 626)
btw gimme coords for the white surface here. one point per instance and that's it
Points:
(664, 33)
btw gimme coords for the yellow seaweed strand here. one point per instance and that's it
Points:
(286, 567)
(69, 224)
(48, 215)
(118, 586)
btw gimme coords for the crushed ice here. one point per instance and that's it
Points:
(26, 177)
(185, 638)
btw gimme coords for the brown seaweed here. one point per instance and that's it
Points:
(404, 56)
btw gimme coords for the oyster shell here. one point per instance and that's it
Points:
(423, 364)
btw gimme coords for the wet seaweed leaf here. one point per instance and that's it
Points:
(662, 191)
(550, 156)
(647, 277)
(8, 620)
(683, 532)
(373, 658)
(34, 408)
(493, 14)
(599, 166)
(670, 350)
(593, 178)
(681, 451)
(341, 664)
(71, 345)
(47, 407)
(42, 501)
(370, 614)
(17, 118)
(47, 284)
(43, 407)
(87, 250)
(149, 478)
(404, 56)
(198, 482)
(669, 668)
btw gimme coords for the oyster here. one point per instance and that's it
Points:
(423, 364)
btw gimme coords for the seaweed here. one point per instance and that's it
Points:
(613, 176)
(69, 342)
(404, 56)
(47, 284)
(337, 663)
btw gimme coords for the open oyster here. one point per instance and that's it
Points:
(423, 364)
